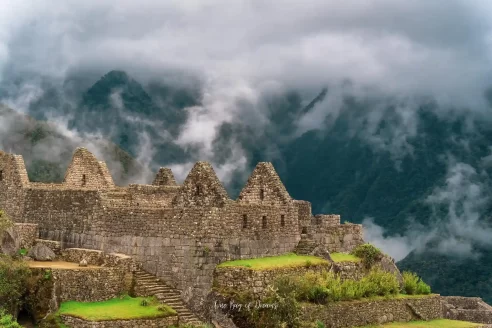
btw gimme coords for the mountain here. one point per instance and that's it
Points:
(451, 275)
(47, 151)
(371, 159)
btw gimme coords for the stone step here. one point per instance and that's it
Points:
(167, 295)
(158, 288)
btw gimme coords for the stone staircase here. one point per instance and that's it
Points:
(147, 284)
(305, 246)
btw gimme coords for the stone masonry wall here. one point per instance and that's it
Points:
(472, 309)
(257, 281)
(13, 178)
(85, 171)
(179, 233)
(26, 233)
(96, 257)
(360, 313)
(337, 238)
(90, 284)
(154, 323)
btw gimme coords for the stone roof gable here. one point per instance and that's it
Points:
(264, 185)
(85, 171)
(164, 177)
(202, 188)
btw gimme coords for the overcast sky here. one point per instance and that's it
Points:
(439, 46)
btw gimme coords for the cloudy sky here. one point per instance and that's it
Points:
(441, 47)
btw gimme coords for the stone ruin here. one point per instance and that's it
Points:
(177, 232)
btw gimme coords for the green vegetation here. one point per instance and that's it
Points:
(325, 287)
(413, 284)
(7, 321)
(344, 257)
(441, 323)
(274, 262)
(13, 278)
(369, 254)
(290, 291)
(124, 308)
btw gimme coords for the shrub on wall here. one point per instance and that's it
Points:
(369, 254)
(325, 287)
(13, 277)
(414, 285)
(7, 321)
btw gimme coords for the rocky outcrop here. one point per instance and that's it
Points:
(7, 243)
(388, 264)
(41, 252)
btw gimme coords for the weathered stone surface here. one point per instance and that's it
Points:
(257, 281)
(154, 323)
(83, 263)
(41, 252)
(216, 314)
(361, 313)
(388, 265)
(54, 245)
(472, 309)
(26, 234)
(7, 243)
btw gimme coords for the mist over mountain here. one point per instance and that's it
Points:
(378, 111)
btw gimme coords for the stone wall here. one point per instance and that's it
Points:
(471, 309)
(99, 258)
(336, 238)
(26, 233)
(178, 233)
(351, 270)
(154, 323)
(360, 313)
(13, 180)
(257, 281)
(85, 171)
(89, 284)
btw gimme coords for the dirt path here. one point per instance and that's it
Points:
(59, 265)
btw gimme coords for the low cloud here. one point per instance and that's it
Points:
(457, 222)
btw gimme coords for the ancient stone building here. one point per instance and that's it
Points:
(177, 232)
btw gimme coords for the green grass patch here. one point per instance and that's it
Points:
(124, 308)
(441, 323)
(274, 262)
(344, 257)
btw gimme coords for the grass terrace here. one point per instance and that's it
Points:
(125, 308)
(441, 323)
(344, 257)
(289, 260)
